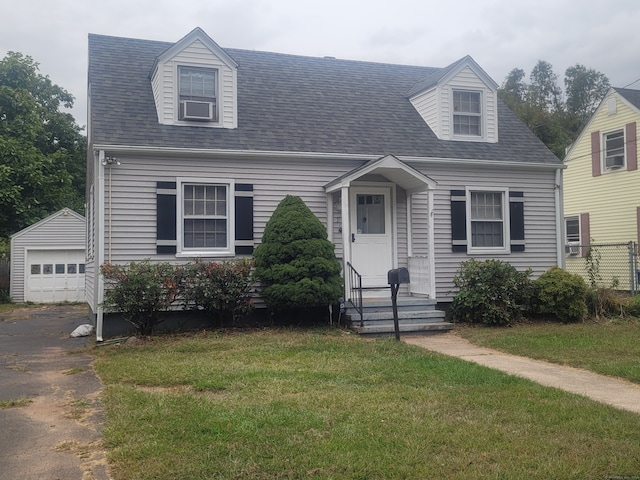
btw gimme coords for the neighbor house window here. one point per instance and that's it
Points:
(467, 113)
(572, 235)
(614, 150)
(206, 214)
(572, 227)
(487, 220)
(198, 94)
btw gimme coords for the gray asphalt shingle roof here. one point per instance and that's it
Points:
(632, 96)
(289, 103)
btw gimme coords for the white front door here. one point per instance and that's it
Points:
(371, 234)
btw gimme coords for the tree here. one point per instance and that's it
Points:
(42, 150)
(295, 262)
(543, 91)
(540, 106)
(585, 89)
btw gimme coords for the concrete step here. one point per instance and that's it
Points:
(388, 328)
(411, 316)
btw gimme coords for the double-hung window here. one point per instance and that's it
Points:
(487, 221)
(467, 113)
(206, 222)
(572, 232)
(198, 94)
(614, 151)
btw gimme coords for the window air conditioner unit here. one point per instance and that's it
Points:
(192, 110)
(616, 161)
(573, 250)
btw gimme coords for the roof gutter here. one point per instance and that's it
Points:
(261, 154)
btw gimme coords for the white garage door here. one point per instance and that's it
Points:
(55, 276)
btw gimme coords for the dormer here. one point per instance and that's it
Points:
(459, 103)
(195, 84)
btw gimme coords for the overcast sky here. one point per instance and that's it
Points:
(499, 34)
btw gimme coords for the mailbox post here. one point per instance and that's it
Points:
(396, 277)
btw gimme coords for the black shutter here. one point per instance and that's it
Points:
(244, 218)
(166, 218)
(458, 221)
(516, 221)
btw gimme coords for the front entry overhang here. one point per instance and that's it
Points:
(390, 167)
(397, 173)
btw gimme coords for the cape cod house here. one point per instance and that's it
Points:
(407, 166)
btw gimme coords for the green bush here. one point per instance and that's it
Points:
(561, 294)
(491, 292)
(295, 262)
(220, 289)
(140, 291)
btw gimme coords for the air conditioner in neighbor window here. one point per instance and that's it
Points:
(616, 161)
(192, 110)
(573, 249)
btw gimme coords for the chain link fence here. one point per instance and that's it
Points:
(605, 265)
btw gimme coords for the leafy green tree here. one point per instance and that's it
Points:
(585, 88)
(295, 262)
(42, 149)
(539, 103)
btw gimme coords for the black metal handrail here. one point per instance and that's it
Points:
(355, 291)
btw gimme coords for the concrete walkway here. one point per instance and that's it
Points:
(612, 391)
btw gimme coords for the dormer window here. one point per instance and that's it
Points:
(467, 113)
(198, 94)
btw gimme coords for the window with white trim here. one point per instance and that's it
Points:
(197, 94)
(613, 152)
(572, 235)
(467, 113)
(487, 221)
(206, 217)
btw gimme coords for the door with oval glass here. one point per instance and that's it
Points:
(371, 234)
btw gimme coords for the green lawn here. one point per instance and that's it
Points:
(284, 404)
(611, 348)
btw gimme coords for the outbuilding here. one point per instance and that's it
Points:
(48, 260)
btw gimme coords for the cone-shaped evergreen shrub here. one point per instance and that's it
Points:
(295, 262)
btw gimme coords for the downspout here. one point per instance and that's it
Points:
(99, 252)
(560, 257)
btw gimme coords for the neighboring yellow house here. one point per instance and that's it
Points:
(602, 180)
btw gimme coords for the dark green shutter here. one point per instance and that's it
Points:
(458, 221)
(516, 221)
(166, 218)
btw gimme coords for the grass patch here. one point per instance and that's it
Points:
(278, 404)
(18, 402)
(610, 348)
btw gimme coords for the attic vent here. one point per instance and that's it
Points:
(191, 110)
(616, 161)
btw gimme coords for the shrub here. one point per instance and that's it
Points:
(220, 289)
(561, 294)
(295, 262)
(140, 291)
(491, 292)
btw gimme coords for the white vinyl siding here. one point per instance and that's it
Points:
(539, 218)
(133, 226)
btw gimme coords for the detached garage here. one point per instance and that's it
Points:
(48, 260)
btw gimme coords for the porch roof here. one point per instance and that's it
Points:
(392, 169)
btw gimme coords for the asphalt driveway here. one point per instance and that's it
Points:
(54, 432)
